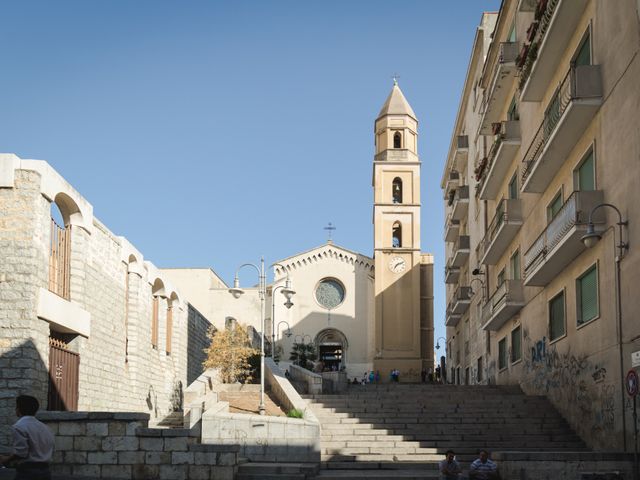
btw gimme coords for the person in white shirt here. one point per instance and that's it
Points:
(33, 442)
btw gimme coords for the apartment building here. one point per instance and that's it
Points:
(545, 151)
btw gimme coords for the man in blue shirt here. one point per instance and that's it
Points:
(482, 468)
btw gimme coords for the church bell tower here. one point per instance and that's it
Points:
(396, 220)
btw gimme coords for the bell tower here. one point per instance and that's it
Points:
(396, 225)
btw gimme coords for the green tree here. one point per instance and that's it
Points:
(302, 353)
(230, 351)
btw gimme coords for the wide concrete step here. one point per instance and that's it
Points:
(377, 474)
(272, 470)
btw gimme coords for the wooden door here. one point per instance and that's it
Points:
(63, 377)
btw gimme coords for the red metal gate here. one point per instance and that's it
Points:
(63, 376)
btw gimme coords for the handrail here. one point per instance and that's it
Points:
(563, 96)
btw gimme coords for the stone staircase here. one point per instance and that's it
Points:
(403, 431)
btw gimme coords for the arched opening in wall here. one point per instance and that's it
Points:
(157, 290)
(131, 265)
(397, 140)
(332, 349)
(59, 253)
(396, 190)
(396, 235)
(172, 303)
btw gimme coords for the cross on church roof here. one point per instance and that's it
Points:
(330, 228)
(395, 78)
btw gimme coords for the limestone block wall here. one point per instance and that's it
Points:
(112, 291)
(119, 445)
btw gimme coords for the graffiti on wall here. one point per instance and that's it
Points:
(571, 380)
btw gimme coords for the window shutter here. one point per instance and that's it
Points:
(556, 320)
(588, 291)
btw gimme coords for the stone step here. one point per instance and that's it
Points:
(273, 470)
(377, 474)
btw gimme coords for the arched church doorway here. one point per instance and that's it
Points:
(332, 349)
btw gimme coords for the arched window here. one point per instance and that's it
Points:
(169, 331)
(396, 235)
(157, 290)
(397, 140)
(59, 253)
(397, 190)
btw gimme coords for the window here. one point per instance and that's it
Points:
(512, 33)
(397, 140)
(397, 190)
(512, 111)
(502, 354)
(583, 54)
(556, 317)
(59, 254)
(169, 328)
(584, 177)
(587, 295)
(501, 275)
(516, 344)
(479, 371)
(513, 187)
(554, 206)
(330, 293)
(514, 265)
(154, 322)
(396, 235)
(487, 337)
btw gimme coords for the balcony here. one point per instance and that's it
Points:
(461, 251)
(453, 180)
(554, 26)
(569, 113)
(396, 155)
(505, 302)
(451, 274)
(461, 300)
(500, 89)
(452, 319)
(500, 157)
(560, 243)
(461, 153)
(502, 230)
(451, 229)
(459, 202)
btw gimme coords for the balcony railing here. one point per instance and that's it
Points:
(503, 150)
(548, 35)
(460, 203)
(396, 155)
(560, 243)
(500, 88)
(569, 112)
(451, 229)
(453, 179)
(452, 319)
(460, 301)
(461, 250)
(501, 231)
(505, 302)
(60, 260)
(451, 274)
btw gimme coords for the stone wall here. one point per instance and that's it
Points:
(108, 316)
(119, 445)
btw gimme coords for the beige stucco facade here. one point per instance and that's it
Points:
(566, 143)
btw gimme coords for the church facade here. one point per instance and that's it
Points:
(361, 313)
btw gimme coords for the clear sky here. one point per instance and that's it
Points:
(210, 133)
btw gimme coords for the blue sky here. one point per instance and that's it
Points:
(210, 133)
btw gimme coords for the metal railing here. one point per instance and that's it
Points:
(508, 52)
(574, 211)
(60, 260)
(507, 209)
(462, 142)
(462, 243)
(572, 87)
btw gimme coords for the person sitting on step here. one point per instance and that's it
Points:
(449, 467)
(482, 468)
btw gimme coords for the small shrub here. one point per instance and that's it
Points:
(295, 413)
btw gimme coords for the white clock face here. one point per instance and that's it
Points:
(397, 265)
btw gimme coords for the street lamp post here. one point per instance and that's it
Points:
(288, 293)
(438, 342)
(236, 291)
(589, 239)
